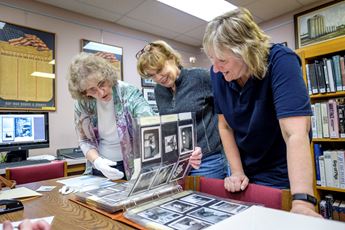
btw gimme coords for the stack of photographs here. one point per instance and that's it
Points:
(185, 210)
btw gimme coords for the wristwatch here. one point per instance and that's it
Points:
(305, 197)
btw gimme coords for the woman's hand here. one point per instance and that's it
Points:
(236, 182)
(195, 158)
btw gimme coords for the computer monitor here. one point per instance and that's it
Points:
(21, 131)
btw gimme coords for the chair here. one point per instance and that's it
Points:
(33, 173)
(270, 197)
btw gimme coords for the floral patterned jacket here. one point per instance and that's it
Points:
(129, 104)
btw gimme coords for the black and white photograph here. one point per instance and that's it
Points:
(179, 206)
(209, 215)
(143, 183)
(151, 143)
(229, 207)
(162, 176)
(119, 187)
(186, 139)
(180, 170)
(197, 199)
(149, 95)
(159, 215)
(189, 223)
(100, 192)
(170, 143)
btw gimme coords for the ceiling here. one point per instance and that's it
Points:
(159, 19)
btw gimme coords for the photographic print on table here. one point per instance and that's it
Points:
(209, 215)
(229, 207)
(143, 182)
(180, 170)
(320, 24)
(159, 215)
(147, 82)
(150, 143)
(113, 54)
(189, 223)
(179, 206)
(162, 176)
(186, 139)
(27, 68)
(149, 95)
(197, 199)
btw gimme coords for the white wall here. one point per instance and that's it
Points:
(70, 28)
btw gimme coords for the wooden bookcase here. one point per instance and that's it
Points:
(308, 55)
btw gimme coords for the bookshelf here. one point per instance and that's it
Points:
(309, 56)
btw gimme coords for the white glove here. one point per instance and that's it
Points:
(103, 165)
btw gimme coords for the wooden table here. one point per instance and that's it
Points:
(67, 214)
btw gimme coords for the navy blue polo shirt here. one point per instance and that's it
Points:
(253, 112)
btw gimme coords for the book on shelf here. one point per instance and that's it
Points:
(336, 71)
(317, 153)
(322, 170)
(333, 119)
(324, 120)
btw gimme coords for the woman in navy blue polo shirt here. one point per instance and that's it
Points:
(263, 107)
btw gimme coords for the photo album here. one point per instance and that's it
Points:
(153, 197)
(163, 145)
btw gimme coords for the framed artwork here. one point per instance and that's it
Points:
(147, 82)
(114, 54)
(320, 24)
(27, 68)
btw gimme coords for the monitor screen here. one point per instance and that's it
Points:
(23, 131)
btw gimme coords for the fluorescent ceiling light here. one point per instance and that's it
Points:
(103, 47)
(206, 10)
(42, 74)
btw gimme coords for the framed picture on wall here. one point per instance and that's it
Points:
(114, 54)
(27, 68)
(320, 24)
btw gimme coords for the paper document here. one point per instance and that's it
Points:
(18, 193)
(15, 225)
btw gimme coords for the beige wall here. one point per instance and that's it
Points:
(280, 29)
(70, 28)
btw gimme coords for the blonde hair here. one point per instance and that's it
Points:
(86, 67)
(236, 31)
(154, 56)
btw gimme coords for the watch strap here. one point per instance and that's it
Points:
(305, 197)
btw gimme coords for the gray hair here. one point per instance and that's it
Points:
(85, 67)
(236, 31)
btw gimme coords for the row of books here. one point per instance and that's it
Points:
(332, 209)
(328, 120)
(330, 167)
(326, 75)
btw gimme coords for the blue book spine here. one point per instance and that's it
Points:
(318, 151)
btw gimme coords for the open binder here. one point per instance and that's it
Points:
(164, 144)
(153, 198)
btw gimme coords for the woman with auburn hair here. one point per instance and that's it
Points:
(263, 108)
